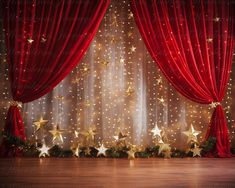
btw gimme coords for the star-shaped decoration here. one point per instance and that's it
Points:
(192, 134)
(164, 147)
(162, 101)
(122, 60)
(130, 34)
(76, 151)
(30, 40)
(156, 131)
(209, 40)
(89, 134)
(133, 48)
(159, 81)
(105, 63)
(40, 123)
(120, 137)
(101, 150)
(167, 154)
(130, 15)
(76, 133)
(113, 40)
(57, 133)
(196, 151)
(131, 154)
(43, 151)
(87, 151)
(129, 91)
(214, 104)
(216, 19)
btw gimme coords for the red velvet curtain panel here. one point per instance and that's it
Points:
(192, 43)
(45, 40)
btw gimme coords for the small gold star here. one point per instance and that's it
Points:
(129, 91)
(104, 63)
(130, 15)
(57, 133)
(40, 123)
(59, 97)
(89, 134)
(131, 154)
(133, 48)
(163, 148)
(87, 151)
(122, 60)
(196, 151)
(156, 131)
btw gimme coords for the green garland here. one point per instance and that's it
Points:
(30, 150)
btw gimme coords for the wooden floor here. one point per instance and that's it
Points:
(85, 172)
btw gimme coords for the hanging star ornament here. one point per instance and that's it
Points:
(133, 48)
(129, 91)
(120, 137)
(105, 63)
(214, 104)
(101, 150)
(57, 133)
(156, 131)
(43, 151)
(40, 123)
(89, 134)
(192, 134)
(196, 151)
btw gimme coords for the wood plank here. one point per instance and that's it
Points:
(102, 172)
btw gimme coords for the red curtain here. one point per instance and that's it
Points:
(192, 43)
(45, 40)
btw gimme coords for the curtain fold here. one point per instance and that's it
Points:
(192, 43)
(45, 40)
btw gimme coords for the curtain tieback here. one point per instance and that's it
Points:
(214, 104)
(16, 103)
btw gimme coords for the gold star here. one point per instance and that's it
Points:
(156, 131)
(101, 150)
(130, 15)
(214, 104)
(122, 60)
(57, 133)
(76, 150)
(30, 41)
(43, 151)
(120, 137)
(87, 151)
(76, 134)
(133, 48)
(129, 91)
(104, 63)
(76, 80)
(159, 80)
(192, 134)
(167, 154)
(40, 123)
(131, 154)
(130, 34)
(163, 148)
(89, 134)
(196, 151)
(113, 40)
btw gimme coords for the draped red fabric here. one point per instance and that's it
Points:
(192, 43)
(45, 40)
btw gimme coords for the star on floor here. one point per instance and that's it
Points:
(44, 151)
(101, 150)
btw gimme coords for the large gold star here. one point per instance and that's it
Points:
(57, 133)
(192, 134)
(40, 123)
(101, 150)
(43, 151)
